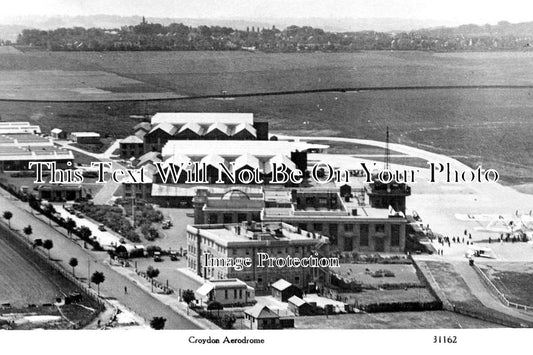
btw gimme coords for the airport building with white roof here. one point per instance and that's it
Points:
(19, 147)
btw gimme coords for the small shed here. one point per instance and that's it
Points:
(85, 137)
(227, 292)
(283, 290)
(58, 133)
(261, 316)
(299, 307)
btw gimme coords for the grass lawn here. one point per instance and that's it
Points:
(389, 296)
(514, 280)
(403, 273)
(491, 127)
(397, 320)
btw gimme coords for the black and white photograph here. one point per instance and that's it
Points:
(207, 175)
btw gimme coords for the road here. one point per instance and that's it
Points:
(137, 300)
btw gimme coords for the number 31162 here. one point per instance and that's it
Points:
(439, 339)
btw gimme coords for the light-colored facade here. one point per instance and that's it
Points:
(238, 241)
(228, 292)
(351, 224)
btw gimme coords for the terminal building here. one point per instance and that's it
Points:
(350, 218)
(247, 240)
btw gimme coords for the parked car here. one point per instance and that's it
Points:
(79, 215)
(101, 227)
(157, 257)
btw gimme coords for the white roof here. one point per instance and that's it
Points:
(85, 134)
(178, 159)
(205, 289)
(213, 160)
(203, 118)
(297, 301)
(13, 123)
(131, 139)
(56, 130)
(279, 160)
(13, 129)
(167, 127)
(235, 148)
(193, 126)
(281, 284)
(246, 160)
(245, 126)
(218, 126)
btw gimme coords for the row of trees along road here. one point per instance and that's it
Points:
(97, 277)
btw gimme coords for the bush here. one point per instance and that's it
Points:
(228, 320)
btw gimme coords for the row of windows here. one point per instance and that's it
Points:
(240, 293)
(349, 228)
(227, 218)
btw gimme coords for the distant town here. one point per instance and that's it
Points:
(180, 37)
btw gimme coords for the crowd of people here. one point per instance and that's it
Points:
(446, 240)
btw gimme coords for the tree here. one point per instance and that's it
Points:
(85, 232)
(48, 244)
(158, 323)
(121, 251)
(49, 209)
(98, 278)
(8, 215)
(151, 273)
(70, 224)
(228, 320)
(28, 231)
(188, 296)
(215, 306)
(73, 262)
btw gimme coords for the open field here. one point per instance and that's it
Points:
(491, 127)
(21, 281)
(396, 320)
(202, 73)
(362, 273)
(31, 287)
(515, 280)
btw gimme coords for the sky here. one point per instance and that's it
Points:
(461, 11)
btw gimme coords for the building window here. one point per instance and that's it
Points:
(240, 294)
(225, 294)
(363, 237)
(213, 218)
(228, 218)
(297, 280)
(241, 217)
(317, 227)
(395, 235)
(235, 294)
(333, 233)
(348, 244)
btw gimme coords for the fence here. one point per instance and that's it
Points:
(498, 293)
(102, 303)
